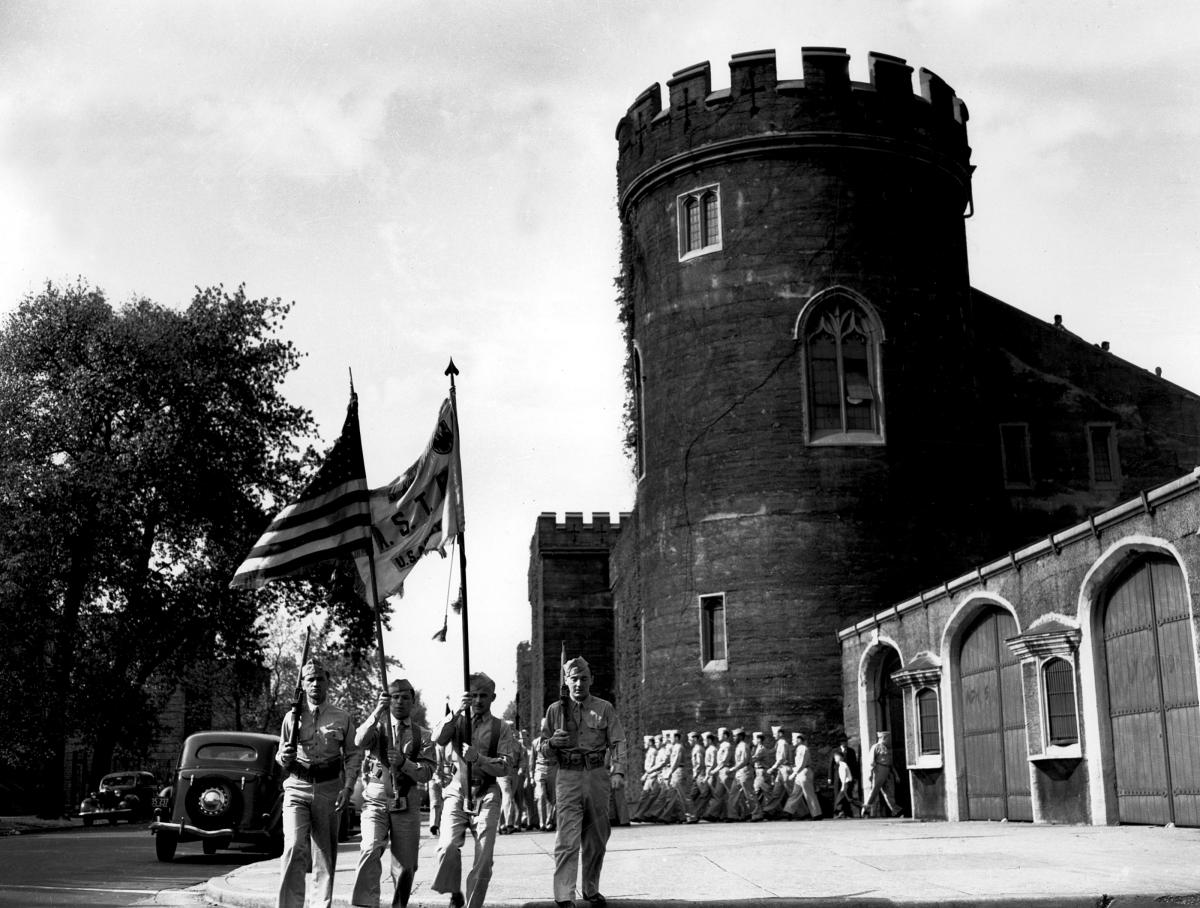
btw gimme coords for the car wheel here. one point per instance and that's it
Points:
(164, 846)
(87, 821)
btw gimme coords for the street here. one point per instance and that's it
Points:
(105, 867)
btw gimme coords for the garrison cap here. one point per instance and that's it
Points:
(739, 731)
(400, 684)
(578, 665)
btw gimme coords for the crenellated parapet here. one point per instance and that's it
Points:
(761, 114)
(573, 532)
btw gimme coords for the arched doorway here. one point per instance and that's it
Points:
(889, 716)
(1153, 706)
(993, 721)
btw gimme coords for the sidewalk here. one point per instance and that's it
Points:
(864, 863)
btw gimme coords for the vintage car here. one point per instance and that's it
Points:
(228, 789)
(120, 796)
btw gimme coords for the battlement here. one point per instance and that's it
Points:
(573, 532)
(823, 108)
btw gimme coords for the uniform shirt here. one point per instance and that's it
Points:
(741, 756)
(372, 738)
(725, 755)
(710, 759)
(596, 726)
(541, 763)
(649, 760)
(803, 761)
(881, 754)
(783, 754)
(325, 734)
(698, 759)
(675, 759)
(450, 732)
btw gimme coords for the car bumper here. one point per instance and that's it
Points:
(123, 813)
(186, 832)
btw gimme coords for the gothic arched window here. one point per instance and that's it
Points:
(841, 356)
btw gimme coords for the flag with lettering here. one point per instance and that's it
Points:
(331, 518)
(419, 512)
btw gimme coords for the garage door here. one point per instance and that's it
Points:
(1153, 710)
(997, 765)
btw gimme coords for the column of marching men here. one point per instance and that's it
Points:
(725, 776)
(721, 776)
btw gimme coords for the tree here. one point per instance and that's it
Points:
(140, 450)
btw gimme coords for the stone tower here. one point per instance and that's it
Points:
(809, 445)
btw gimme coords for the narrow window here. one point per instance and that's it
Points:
(927, 719)
(1062, 725)
(841, 361)
(713, 651)
(639, 416)
(1014, 454)
(1102, 452)
(699, 221)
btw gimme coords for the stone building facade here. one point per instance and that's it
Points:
(1057, 683)
(827, 415)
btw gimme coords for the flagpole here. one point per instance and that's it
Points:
(452, 370)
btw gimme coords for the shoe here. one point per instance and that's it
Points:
(433, 831)
(596, 900)
(569, 903)
(457, 900)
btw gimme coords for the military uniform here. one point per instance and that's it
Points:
(456, 821)
(596, 748)
(391, 814)
(326, 765)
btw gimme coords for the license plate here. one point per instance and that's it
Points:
(158, 802)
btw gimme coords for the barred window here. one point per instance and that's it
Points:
(1062, 724)
(699, 221)
(929, 727)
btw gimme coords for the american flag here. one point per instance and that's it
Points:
(331, 518)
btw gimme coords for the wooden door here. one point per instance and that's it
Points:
(997, 765)
(1153, 706)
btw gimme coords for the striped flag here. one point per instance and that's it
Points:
(332, 517)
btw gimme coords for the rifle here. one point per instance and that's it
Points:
(300, 687)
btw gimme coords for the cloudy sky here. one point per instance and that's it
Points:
(430, 180)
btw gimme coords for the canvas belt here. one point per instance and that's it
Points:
(571, 760)
(320, 772)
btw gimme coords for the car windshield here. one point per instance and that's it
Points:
(119, 781)
(241, 753)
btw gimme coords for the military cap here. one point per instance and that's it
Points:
(738, 731)
(722, 731)
(400, 684)
(578, 665)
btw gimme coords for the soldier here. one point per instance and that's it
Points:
(510, 805)
(780, 771)
(543, 785)
(803, 792)
(881, 776)
(850, 759)
(680, 779)
(722, 778)
(488, 749)
(743, 785)
(320, 763)
(585, 738)
(399, 756)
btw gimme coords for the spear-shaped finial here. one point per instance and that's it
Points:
(451, 369)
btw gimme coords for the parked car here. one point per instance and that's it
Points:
(228, 789)
(120, 796)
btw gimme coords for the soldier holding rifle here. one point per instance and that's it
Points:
(320, 763)
(585, 738)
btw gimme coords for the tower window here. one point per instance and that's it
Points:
(699, 221)
(639, 416)
(714, 653)
(1014, 455)
(928, 726)
(1062, 724)
(1102, 454)
(842, 369)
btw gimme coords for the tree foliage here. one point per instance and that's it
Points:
(142, 449)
